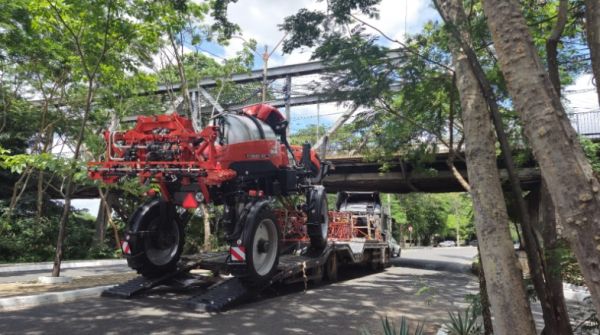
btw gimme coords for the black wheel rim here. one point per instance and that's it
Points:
(162, 242)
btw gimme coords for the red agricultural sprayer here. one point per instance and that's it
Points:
(241, 161)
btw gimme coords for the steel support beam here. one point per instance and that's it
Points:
(277, 72)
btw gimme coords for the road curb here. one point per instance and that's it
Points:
(28, 301)
(64, 265)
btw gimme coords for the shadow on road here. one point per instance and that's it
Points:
(432, 265)
(347, 307)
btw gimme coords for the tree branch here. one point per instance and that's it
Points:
(403, 45)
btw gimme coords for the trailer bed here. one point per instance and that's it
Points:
(222, 293)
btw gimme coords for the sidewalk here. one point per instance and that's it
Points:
(19, 287)
(33, 287)
(18, 267)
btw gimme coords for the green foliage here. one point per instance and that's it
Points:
(569, 268)
(573, 59)
(474, 300)
(434, 216)
(464, 323)
(390, 329)
(303, 28)
(23, 238)
(591, 150)
(66, 53)
(307, 134)
(222, 25)
(426, 291)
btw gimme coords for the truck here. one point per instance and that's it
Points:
(367, 207)
(276, 221)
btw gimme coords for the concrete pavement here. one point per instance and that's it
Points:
(345, 307)
(356, 303)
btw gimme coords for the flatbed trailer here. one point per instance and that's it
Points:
(297, 264)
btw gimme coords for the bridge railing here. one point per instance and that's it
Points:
(586, 123)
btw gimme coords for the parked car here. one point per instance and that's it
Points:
(474, 243)
(447, 243)
(394, 247)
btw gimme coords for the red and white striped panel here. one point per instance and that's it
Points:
(238, 254)
(125, 247)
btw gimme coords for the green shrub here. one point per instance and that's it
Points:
(465, 323)
(390, 329)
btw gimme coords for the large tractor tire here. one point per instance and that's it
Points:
(318, 217)
(261, 241)
(156, 238)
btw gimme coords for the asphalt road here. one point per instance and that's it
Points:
(423, 285)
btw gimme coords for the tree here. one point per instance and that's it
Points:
(510, 308)
(566, 170)
(96, 38)
(592, 22)
(552, 45)
(454, 15)
(426, 213)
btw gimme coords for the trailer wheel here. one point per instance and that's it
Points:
(377, 265)
(318, 217)
(156, 238)
(331, 268)
(261, 240)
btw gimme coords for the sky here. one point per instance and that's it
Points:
(259, 20)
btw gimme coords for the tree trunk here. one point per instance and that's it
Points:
(592, 27)
(451, 153)
(39, 204)
(104, 212)
(111, 198)
(567, 171)
(206, 218)
(64, 218)
(453, 13)
(181, 71)
(544, 214)
(19, 189)
(486, 314)
(510, 307)
(62, 228)
(552, 44)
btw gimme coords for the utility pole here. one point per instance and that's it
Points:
(389, 216)
(265, 66)
(454, 205)
(287, 96)
(318, 119)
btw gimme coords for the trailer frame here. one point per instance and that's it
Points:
(298, 264)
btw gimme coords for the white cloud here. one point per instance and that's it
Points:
(259, 20)
(399, 17)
